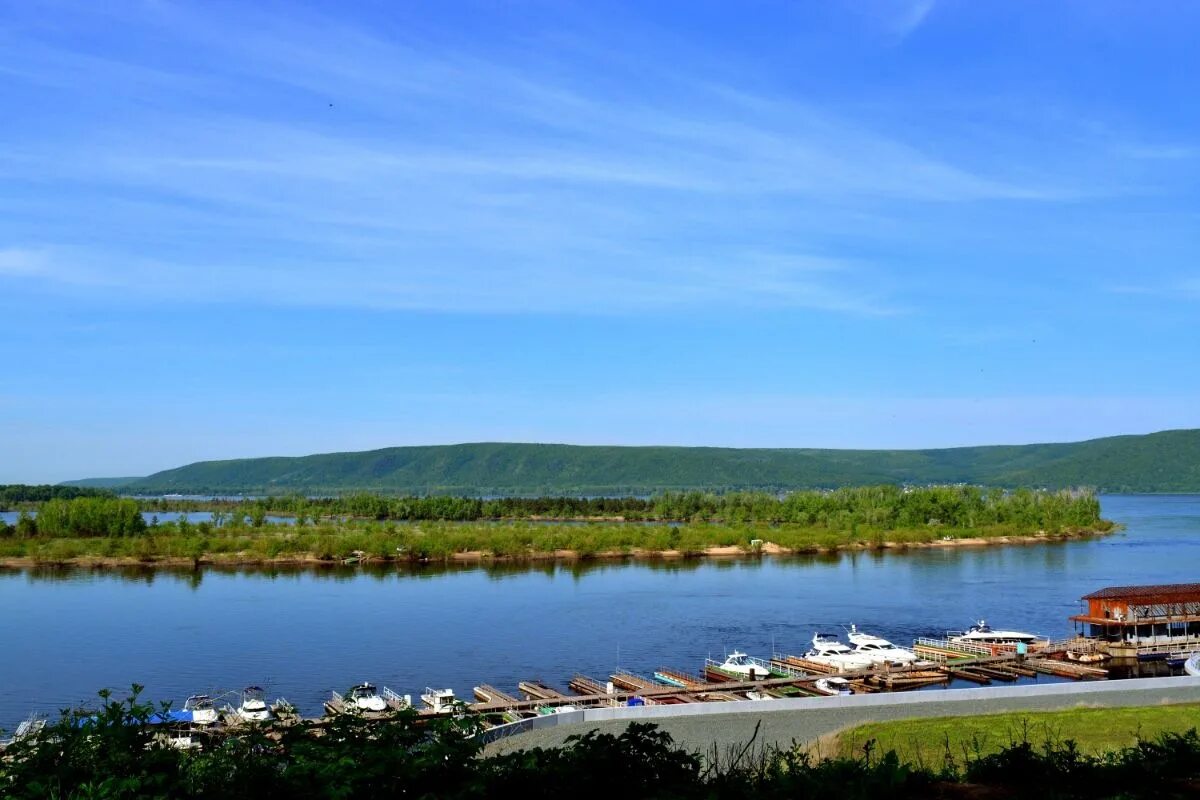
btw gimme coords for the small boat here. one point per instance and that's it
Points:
(738, 663)
(833, 686)
(439, 701)
(253, 707)
(1086, 658)
(1192, 665)
(756, 695)
(827, 650)
(545, 711)
(29, 727)
(202, 710)
(983, 634)
(878, 649)
(361, 699)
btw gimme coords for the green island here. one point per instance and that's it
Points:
(103, 529)
(120, 749)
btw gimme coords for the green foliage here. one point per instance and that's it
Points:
(875, 507)
(1161, 462)
(11, 494)
(117, 751)
(802, 521)
(90, 516)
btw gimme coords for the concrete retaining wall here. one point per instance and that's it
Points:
(702, 726)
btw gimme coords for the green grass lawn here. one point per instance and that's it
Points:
(1094, 730)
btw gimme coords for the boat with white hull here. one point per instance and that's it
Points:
(833, 686)
(739, 664)
(367, 700)
(1192, 665)
(202, 709)
(879, 650)
(829, 651)
(986, 636)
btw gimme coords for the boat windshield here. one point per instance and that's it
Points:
(360, 692)
(738, 660)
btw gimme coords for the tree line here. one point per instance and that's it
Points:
(885, 507)
(79, 517)
(879, 508)
(12, 494)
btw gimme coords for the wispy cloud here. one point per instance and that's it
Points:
(356, 169)
(911, 17)
(22, 262)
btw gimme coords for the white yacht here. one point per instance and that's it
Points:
(829, 651)
(833, 686)
(203, 712)
(983, 634)
(364, 698)
(878, 649)
(1192, 665)
(253, 707)
(440, 701)
(738, 663)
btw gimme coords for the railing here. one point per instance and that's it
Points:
(393, 699)
(947, 646)
(1077, 644)
(779, 668)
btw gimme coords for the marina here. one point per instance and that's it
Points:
(829, 669)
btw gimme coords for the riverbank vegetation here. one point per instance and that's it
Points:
(97, 530)
(880, 506)
(115, 751)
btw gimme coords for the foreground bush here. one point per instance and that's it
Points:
(116, 752)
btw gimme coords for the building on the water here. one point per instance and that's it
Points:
(1143, 621)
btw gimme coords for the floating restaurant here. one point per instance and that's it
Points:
(1143, 622)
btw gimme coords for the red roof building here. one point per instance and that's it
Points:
(1144, 620)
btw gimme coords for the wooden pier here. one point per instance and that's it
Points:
(536, 690)
(486, 693)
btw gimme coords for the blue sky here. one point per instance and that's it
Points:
(242, 229)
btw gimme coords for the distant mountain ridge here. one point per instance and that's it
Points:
(1168, 461)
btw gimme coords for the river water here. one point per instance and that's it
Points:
(65, 634)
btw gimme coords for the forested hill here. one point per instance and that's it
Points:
(1158, 462)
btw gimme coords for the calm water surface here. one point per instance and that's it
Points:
(65, 634)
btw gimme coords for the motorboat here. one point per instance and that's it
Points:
(253, 707)
(545, 711)
(363, 699)
(31, 726)
(828, 650)
(878, 649)
(1192, 665)
(440, 701)
(983, 634)
(202, 710)
(833, 686)
(738, 663)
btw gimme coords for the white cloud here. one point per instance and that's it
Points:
(404, 175)
(21, 262)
